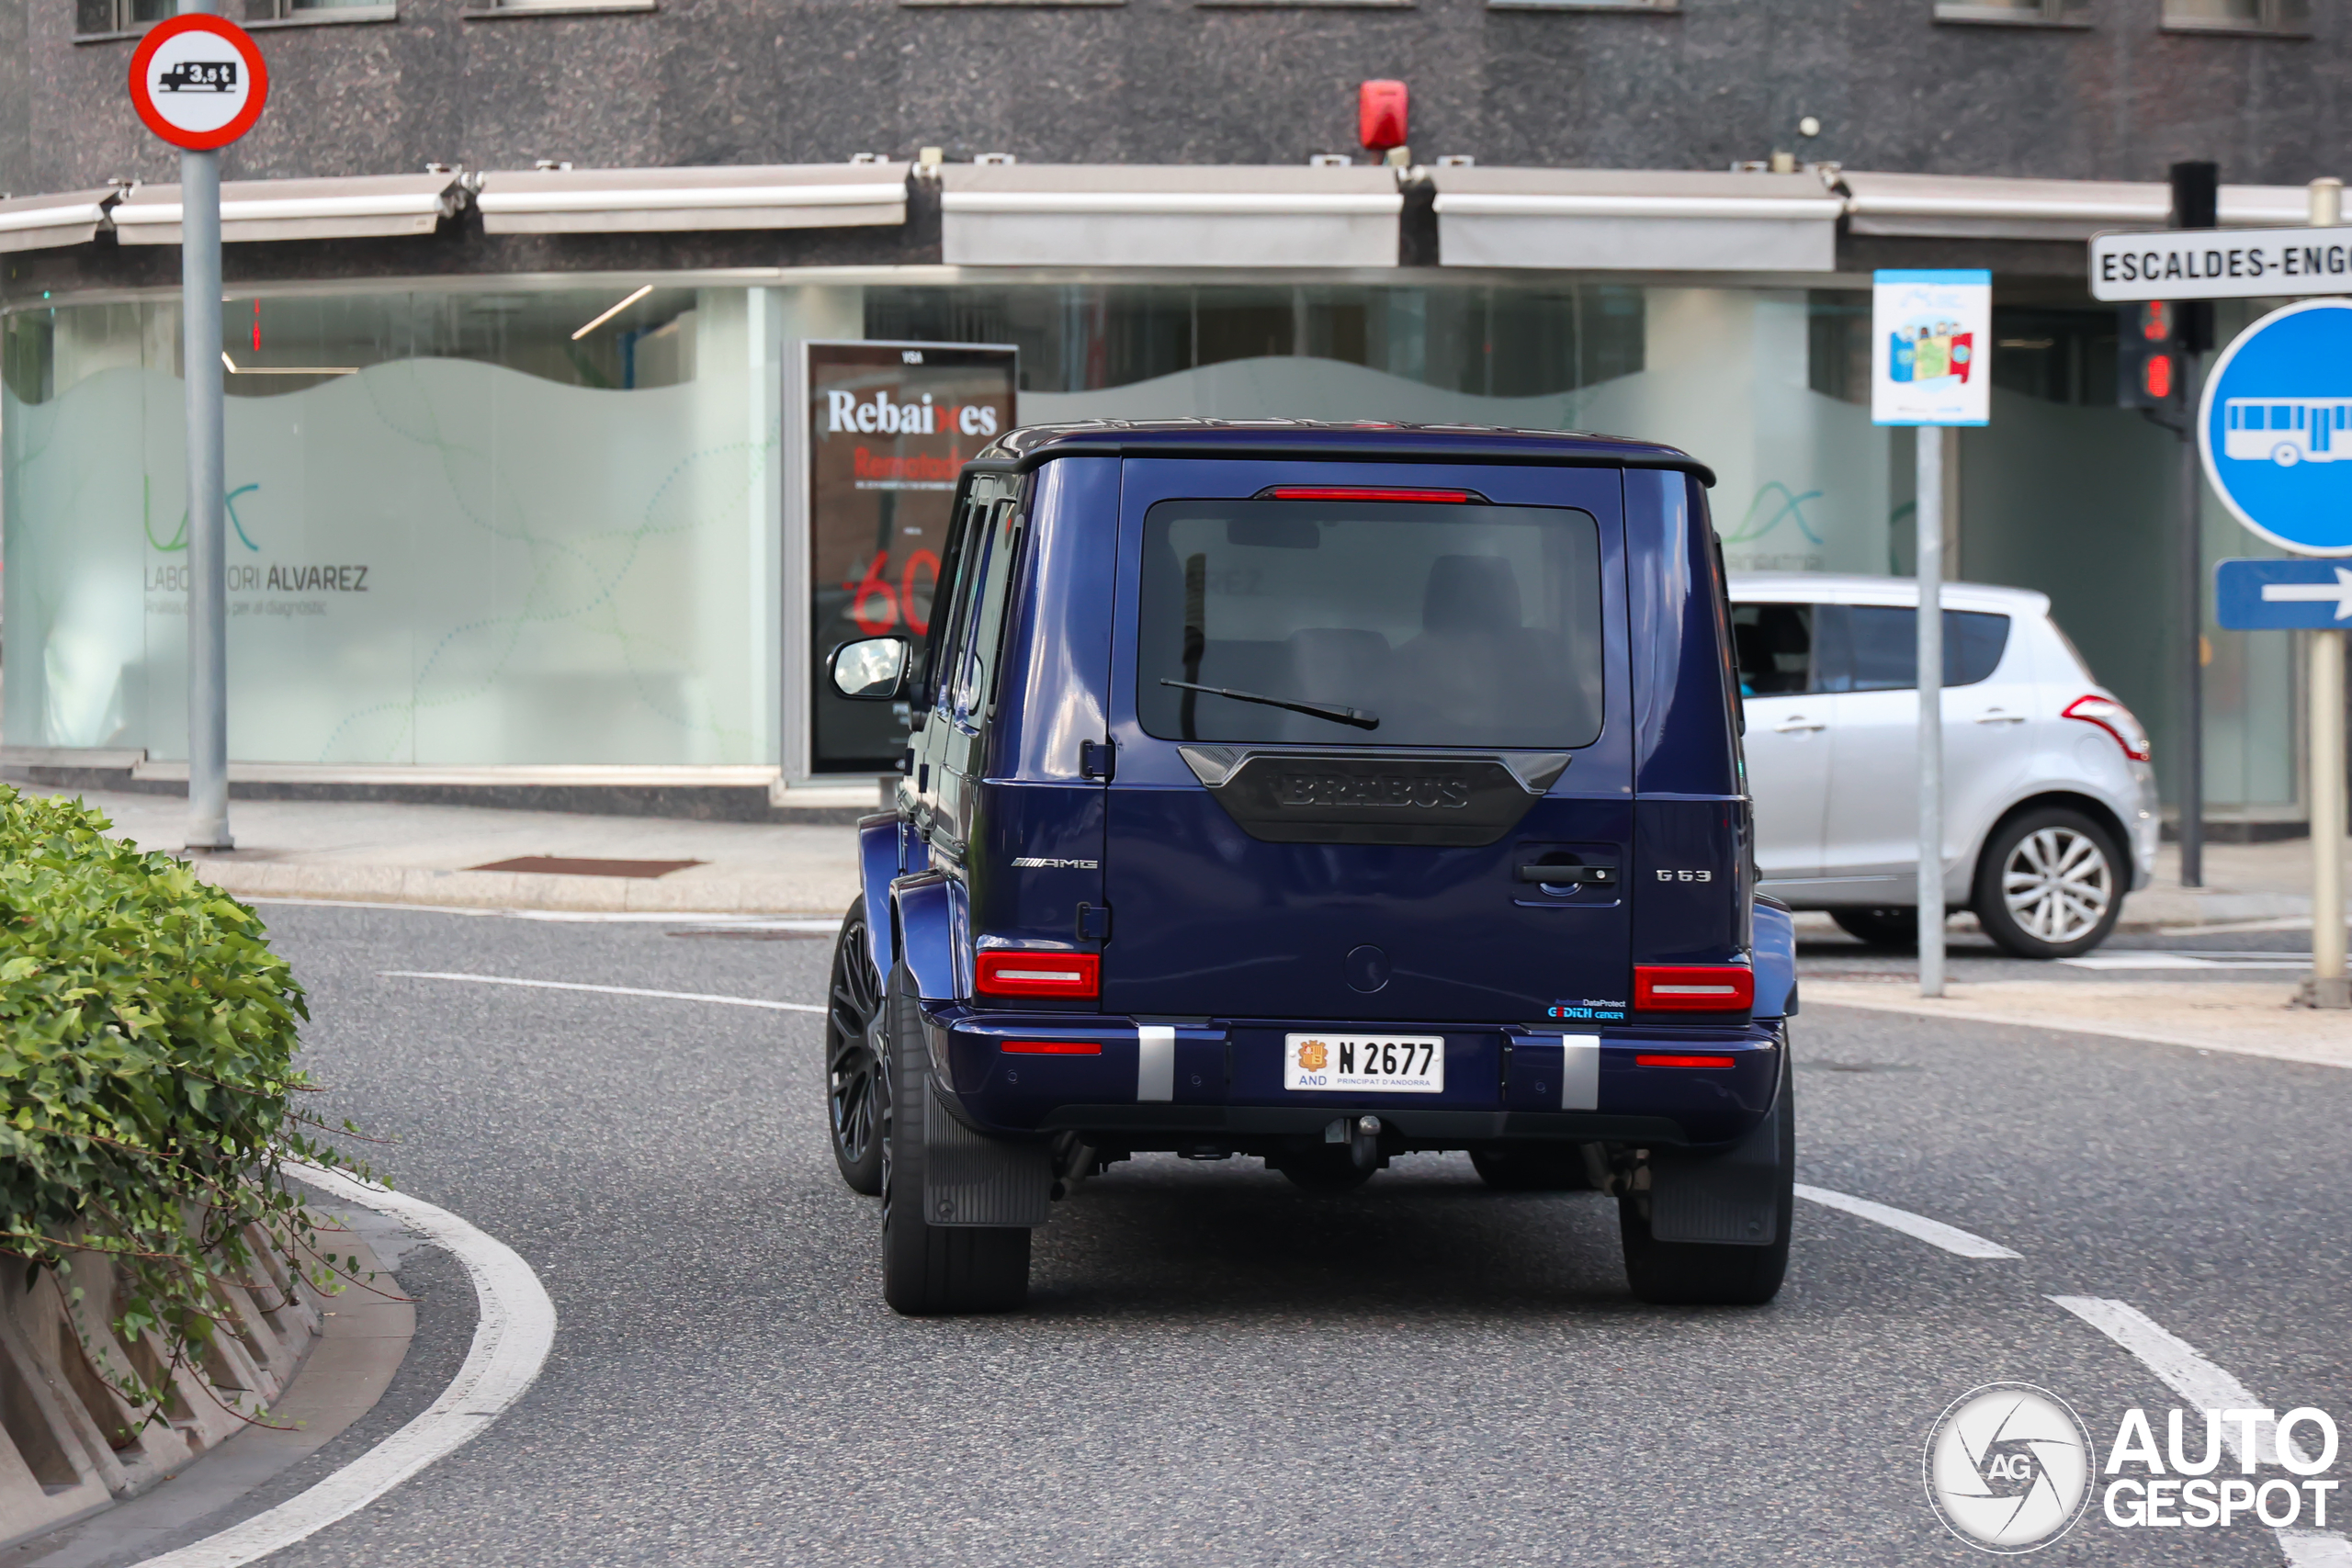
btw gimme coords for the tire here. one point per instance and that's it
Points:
(1684, 1273)
(853, 1108)
(927, 1269)
(1327, 1170)
(2051, 884)
(1533, 1168)
(1891, 927)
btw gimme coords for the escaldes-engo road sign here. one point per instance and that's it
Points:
(199, 80)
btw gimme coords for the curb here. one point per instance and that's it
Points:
(816, 893)
(68, 1444)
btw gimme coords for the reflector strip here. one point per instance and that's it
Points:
(1684, 1062)
(1052, 1047)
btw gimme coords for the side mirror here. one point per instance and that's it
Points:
(872, 671)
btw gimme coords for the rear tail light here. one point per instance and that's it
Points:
(1053, 1048)
(1366, 492)
(1004, 973)
(2116, 719)
(1693, 987)
(1680, 1061)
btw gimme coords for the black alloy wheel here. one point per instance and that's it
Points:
(854, 1094)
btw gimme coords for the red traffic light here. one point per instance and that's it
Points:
(2156, 320)
(2155, 377)
(1380, 115)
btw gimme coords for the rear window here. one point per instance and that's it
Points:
(1469, 625)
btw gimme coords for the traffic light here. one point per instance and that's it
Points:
(2147, 356)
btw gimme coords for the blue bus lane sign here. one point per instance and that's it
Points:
(2275, 430)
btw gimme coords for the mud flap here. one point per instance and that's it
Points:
(970, 1179)
(1726, 1197)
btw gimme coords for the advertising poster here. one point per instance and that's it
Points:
(1931, 334)
(889, 425)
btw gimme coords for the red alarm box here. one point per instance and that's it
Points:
(1380, 114)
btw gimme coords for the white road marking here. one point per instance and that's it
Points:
(605, 990)
(581, 916)
(2179, 1367)
(515, 1331)
(2128, 958)
(1935, 1232)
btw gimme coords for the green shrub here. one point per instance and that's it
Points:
(147, 1081)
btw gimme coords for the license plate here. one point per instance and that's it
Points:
(1373, 1064)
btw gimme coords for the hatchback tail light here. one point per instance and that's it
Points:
(2117, 720)
(1013, 973)
(1693, 987)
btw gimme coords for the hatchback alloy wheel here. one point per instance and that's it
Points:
(854, 1056)
(2058, 884)
(2048, 885)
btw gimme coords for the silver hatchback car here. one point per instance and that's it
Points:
(2050, 802)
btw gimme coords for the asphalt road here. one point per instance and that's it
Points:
(1217, 1369)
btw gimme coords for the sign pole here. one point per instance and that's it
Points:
(1928, 514)
(1928, 332)
(198, 82)
(208, 606)
(2328, 987)
(2196, 204)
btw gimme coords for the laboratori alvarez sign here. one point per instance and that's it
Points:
(257, 584)
(2010, 1468)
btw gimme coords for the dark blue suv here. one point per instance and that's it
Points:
(1316, 792)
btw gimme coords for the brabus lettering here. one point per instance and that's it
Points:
(1372, 789)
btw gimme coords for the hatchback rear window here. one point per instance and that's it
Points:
(1434, 623)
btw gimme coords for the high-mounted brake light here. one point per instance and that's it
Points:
(1368, 493)
(1682, 1061)
(1013, 973)
(1693, 987)
(2117, 720)
(1053, 1048)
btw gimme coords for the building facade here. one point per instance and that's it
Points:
(526, 462)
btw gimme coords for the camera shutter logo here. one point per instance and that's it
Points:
(2008, 1467)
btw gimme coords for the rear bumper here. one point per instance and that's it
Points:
(1150, 1084)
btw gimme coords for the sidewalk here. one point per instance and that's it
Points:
(382, 852)
(2242, 882)
(2244, 1017)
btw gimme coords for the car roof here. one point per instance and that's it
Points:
(1366, 440)
(1853, 588)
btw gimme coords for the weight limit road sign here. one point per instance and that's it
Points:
(2282, 595)
(199, 80)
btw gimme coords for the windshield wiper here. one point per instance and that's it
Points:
(1356, 716)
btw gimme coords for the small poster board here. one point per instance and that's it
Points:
(890, 425)
(1930, 347)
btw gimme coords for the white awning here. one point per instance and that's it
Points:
(1636, 221)
(630, 201)
(1967, 207)
(37, 223)
(1168, 216)
(366, 207)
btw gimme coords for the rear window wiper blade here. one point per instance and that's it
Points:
(1355, 716)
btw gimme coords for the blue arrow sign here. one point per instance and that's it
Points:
(2276, 427)
(2280, 595)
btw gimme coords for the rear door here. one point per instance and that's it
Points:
(1456, 669)
(1787, 739)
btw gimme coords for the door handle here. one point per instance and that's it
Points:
(1995, 715)
(1559, 876)
(1796, 724)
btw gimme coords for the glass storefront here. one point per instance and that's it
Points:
(495, 524)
